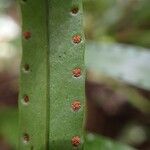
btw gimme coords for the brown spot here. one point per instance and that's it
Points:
(76, 105)
(27, 35)
(74, 10)
(77, 72)
(26, 138)
(76, 39)
(26, 67)
(26, 98)
(75, 141)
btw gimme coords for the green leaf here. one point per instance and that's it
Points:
(95, 142)
(128, 63)
(9, 129)
(9, 126)
(52, 74)
(33, 97)
(64, 57)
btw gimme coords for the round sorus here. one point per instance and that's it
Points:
(26, 138)
(76, 39)
(26, 67)
(74, 10)
(27, 35)
(76, 141)
(76, 72)
(26, 98)
(76, 105)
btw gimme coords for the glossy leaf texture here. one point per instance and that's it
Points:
(122, 68)
(120, 61)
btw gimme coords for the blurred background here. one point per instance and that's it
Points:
(117, 59)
